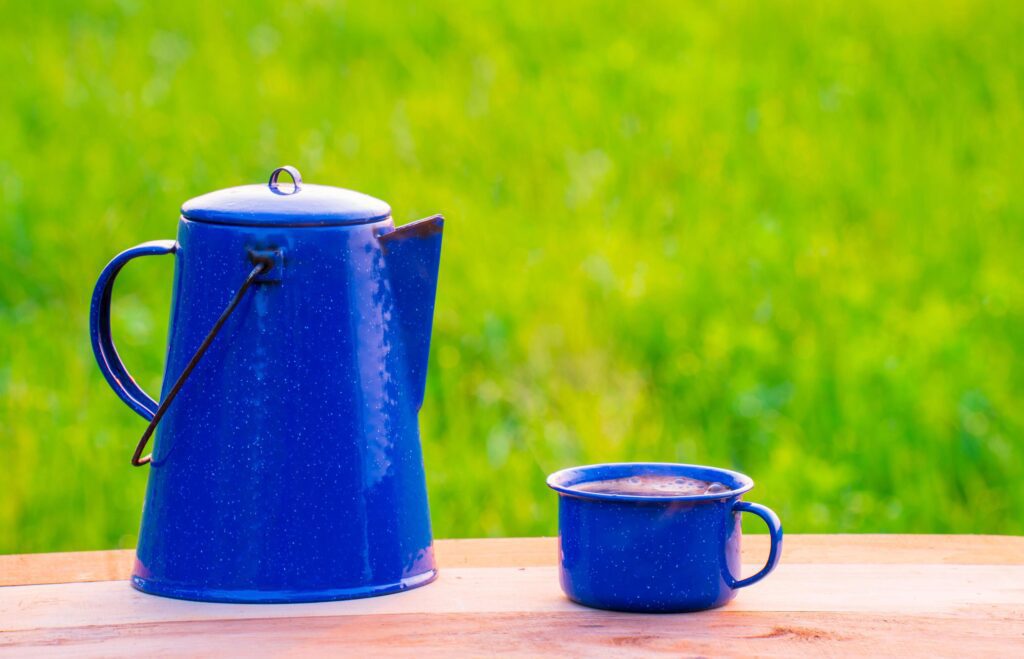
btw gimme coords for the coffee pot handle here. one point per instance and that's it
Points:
(106, 355)
(110, 363)
(775, 531)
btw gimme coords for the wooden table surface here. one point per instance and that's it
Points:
(831, 595)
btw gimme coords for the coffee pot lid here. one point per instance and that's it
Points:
(281, 204)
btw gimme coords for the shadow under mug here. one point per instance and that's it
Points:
(655, 554)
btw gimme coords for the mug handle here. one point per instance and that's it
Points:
(774, 529)
(110, 363)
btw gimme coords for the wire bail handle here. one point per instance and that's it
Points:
(262, 263)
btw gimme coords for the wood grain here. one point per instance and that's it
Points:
(24, 569)
(949, 590)
(832, 595)
(586, 634)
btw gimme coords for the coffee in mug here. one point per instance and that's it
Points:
(653, 485)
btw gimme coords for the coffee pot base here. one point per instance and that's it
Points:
(152, 587)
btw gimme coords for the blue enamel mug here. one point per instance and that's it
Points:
(655, 554)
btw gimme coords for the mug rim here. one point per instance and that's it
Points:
(556, 481)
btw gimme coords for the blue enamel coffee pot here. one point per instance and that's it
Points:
(287, 466)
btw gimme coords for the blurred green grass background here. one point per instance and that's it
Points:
(781, 237)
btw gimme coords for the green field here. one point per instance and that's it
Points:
(782, 237)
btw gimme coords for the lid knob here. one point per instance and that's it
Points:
(296, 180)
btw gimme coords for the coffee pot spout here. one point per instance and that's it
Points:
(412, 253)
